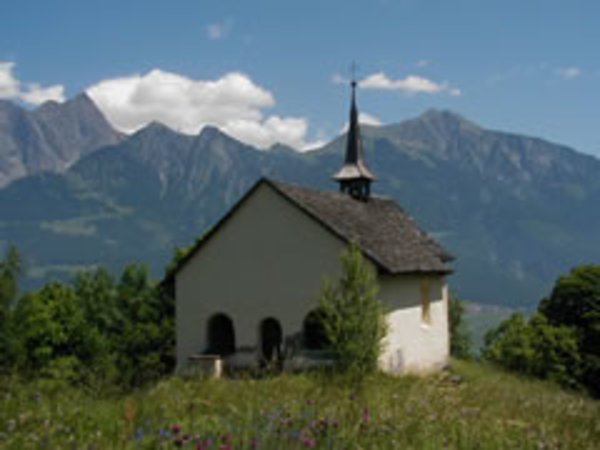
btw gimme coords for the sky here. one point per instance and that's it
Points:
(278, 71)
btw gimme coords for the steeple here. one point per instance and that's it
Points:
(354, 177)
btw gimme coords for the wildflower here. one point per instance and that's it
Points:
(175, 429)
(226, 439)
(366, 416)
(139, 434)
(254, 443)
(203, 444)
(308, 442)
(310, 402)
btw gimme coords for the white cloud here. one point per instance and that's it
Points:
(234, 103)
(364, 119)
(412, 84)
(219, 30)
(336, 78)
(368, 119)
(9, 85)
(10, 88)
(36, 94)
(568, 73)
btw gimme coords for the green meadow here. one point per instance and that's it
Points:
(469, 406)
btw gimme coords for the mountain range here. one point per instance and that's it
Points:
(516, 211)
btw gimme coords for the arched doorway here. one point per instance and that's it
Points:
(315, 336)
(221, 335)
(271, 338)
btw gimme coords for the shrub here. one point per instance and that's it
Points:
(575, 302)
(535, 348)
(460, 339)
(353, 317)
(10, 269)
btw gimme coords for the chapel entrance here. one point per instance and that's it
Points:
(221, 335)
(271, 338)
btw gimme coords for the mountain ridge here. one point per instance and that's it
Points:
(516, 211)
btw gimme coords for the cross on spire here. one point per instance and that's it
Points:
(353, 71)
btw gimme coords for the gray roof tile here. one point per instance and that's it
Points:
(384, 232)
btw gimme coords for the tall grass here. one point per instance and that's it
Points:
(471, 406)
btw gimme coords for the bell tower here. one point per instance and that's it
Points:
(354, 177)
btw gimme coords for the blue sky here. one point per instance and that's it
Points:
(271, 70)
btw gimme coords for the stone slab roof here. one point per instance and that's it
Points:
(384, 232)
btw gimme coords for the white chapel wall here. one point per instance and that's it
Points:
(412, 344)
(268, 260)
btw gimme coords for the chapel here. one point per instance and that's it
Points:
(247, 292)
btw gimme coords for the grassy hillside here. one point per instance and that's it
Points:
(471, 406)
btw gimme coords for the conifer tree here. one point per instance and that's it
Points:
(353, 317)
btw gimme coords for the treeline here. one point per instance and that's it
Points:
(94, 331)
(561, 341)
(100, 331)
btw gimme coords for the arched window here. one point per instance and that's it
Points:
(271, 338)
(221, 335)
(315, 337)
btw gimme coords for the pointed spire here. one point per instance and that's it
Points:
(354, 177)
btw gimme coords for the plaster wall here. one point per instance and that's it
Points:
(267, 260)
(413, 344)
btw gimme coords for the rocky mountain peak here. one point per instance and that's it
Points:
(210, 133)
(51, 137)
(446, 121)
(155, 127)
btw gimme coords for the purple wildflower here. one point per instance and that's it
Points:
(365, 415)
(203, 444)
(308, 442)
